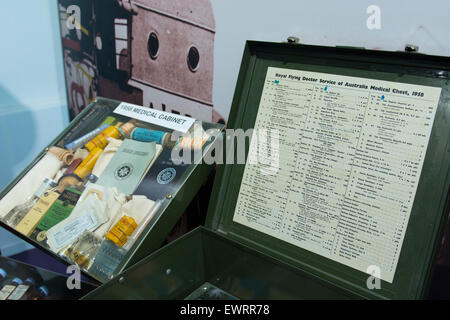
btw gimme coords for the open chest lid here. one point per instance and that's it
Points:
(347, 175)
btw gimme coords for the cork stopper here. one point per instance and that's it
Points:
(63, 155)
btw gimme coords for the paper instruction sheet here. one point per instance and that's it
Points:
(351, 153)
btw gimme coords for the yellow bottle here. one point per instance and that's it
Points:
(122, 230)
(85, 168)
(101, 141)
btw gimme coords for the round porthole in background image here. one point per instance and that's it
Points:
(193, 59)
(153, 45)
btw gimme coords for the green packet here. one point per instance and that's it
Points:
(59, 211)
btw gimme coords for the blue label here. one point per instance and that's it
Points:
(146, 135)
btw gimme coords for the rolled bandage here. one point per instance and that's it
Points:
(81, 154)
(63, 155)
(106, 156)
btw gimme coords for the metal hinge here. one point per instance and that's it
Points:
(411, 48)
(294, 40)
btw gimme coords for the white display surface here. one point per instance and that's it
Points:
(350, 156)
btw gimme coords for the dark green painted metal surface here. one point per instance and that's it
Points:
(252, 265)
(167, 216)
(430, 208)
(177, 270)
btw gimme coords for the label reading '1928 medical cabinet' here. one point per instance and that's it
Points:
(351, 152)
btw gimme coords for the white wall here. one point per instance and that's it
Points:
(326, 22)
(32, 93)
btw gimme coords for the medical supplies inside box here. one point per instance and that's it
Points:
(92, 194)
